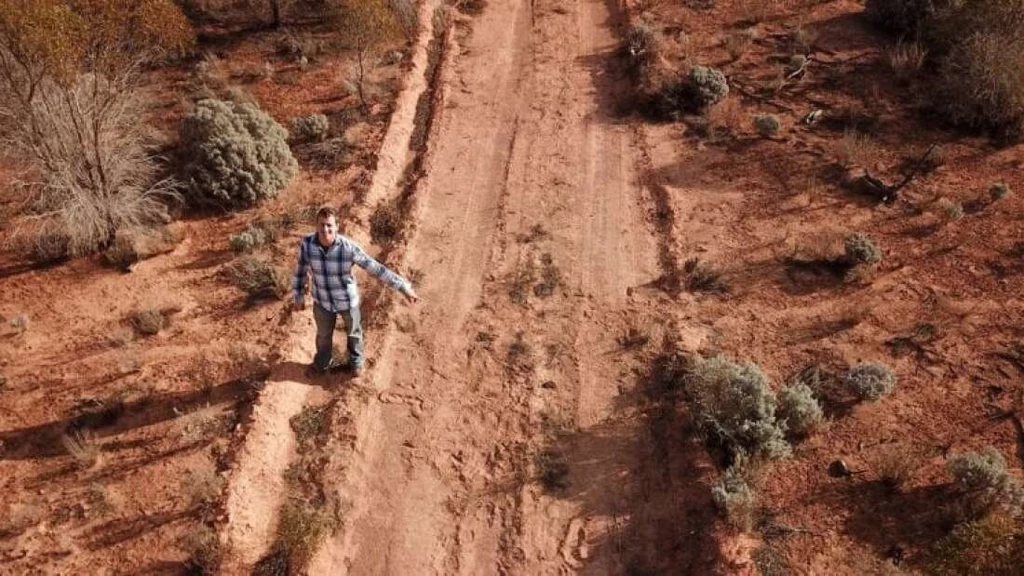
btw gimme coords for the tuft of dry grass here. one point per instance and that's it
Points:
(203, 549)
(737, 43)
(894, 464)
(550, 277)
(302, 526)
(905, 59)
(308, 424)
(854, 149)
(386, 222)
(83, 446)
(703, 277)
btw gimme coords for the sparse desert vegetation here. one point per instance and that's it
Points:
(706, 286)
(143, 149)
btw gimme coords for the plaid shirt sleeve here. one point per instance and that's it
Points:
(299, 279)
(366, 262)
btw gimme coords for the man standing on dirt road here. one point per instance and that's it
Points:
(330, 257)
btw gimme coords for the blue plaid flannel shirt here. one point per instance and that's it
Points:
(334, 286)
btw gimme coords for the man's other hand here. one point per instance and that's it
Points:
(411, 295)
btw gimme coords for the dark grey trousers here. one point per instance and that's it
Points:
(325, 323)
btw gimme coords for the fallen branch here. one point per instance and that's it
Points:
(889, 192)
(739, 88)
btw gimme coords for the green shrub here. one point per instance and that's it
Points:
(237, 154)
(734, 497)
(247, 241)
(999, 191)
(310, 128)
(734, 406)
(767, 125)
(870, 381)
(986, 482)
(799, 409)
(705, 87)
(952, 210)
(860, 249)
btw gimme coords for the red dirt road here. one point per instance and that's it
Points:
(532, 223)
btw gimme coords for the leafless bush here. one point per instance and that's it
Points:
(93, 171)
(203, 486)
(981, 83)
(134, 245)
(19, 323)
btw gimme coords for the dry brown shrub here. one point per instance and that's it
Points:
(981, 83)
(905, 59)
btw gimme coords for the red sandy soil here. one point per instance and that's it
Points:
(504, 425)
(180, 402)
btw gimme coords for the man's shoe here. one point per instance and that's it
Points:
(313, 370)
(353, 369)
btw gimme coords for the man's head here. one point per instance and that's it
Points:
(327, 225)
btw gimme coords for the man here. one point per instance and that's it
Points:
(330, 257)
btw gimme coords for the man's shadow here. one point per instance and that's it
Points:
(305, 374)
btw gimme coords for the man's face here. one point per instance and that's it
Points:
(327, 230)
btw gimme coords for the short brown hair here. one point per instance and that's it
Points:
(326, 212)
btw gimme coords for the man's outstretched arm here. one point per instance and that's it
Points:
(366, 262)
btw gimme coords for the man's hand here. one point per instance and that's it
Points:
(411, 295)
(298, 306)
